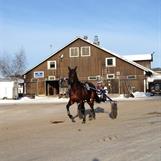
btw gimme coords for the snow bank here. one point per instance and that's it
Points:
(137, 95)
(44, 100)
(27, 100)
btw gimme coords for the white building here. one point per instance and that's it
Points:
(8, 89)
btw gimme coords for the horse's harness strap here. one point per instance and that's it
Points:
(87, 86)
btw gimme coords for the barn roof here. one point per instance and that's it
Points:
(139, 57)
(91, 43)
(121, 57)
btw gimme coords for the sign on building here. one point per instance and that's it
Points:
(39, 74)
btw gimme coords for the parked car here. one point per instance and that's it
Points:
(155, 87)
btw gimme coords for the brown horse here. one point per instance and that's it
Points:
(80, 93)
(85, 92)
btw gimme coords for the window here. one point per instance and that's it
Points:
(110, 62)
(51, 64)
(131, 77)
(33, 80)
(85, 51)
(74, 52)
(94, 77)
(110, 76)
(51, 77)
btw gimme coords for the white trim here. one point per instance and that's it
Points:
(113, 61)
(113, 76)
(70, 51)
(89, 49)
(145, 87)
(48, 64)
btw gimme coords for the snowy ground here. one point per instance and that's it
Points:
(44, 99)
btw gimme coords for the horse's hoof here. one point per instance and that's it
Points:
(80, 116)
(70, 116)
(73, 120)
(83, 122)
(90, 118)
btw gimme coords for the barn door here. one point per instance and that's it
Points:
(52, 88)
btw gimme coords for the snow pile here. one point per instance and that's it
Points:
(139, 94)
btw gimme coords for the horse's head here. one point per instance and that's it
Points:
(72, 75)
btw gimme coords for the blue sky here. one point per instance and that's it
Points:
(123, 26)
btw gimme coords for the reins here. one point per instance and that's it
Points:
(98, 91)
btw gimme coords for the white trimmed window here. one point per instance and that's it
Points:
(51, 64)
(131, 77)
(85, 51)
(110, 62)
(97, 77)
(51, 77)
(33, 80)
(74, 52)
(110, 76)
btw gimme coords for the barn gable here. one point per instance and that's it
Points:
(94, 63)
(92, 44)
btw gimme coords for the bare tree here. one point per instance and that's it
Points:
(5, 67)
(19, 63)
(13, 66)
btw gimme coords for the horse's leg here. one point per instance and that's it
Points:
(81, 111)
(92, 112)
(84, 113)
(68, 111)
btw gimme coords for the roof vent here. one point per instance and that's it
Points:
(85, 37)
(96, 41)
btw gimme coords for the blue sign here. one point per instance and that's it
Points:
(39, 74)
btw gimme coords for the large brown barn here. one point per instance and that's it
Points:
(94, 64)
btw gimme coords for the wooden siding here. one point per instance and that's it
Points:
(92, 65)
(145, 63)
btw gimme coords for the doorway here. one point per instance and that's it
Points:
(52, 87)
